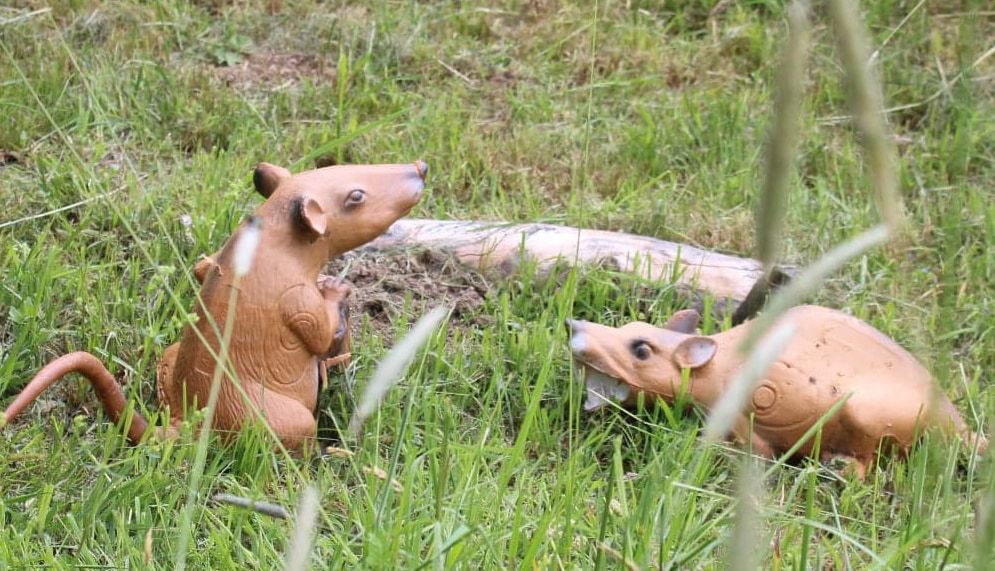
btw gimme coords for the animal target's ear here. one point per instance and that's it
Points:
(267, 177)
(694, 352)
(684, 321)
(310, 217)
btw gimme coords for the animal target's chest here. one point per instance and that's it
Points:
(785, 398)
(764, 397)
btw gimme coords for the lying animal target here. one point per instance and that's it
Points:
(891, 397)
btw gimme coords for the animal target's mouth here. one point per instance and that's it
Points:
(602, 388)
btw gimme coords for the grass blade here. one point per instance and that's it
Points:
(260, 507)
(783, 136)
(304, 528)
(868, 109)
(743, 552)
(810, 280)
(393, 366)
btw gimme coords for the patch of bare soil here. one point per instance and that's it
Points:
(275, 70)
(9, 158)
(382, 283)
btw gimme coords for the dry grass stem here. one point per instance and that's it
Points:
(811, 279)
(394, 365)
(744, 552)
(783, 136)
(727, 410)
(868, 109)
(299, 551)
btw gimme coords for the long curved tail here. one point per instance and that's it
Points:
(108, 391)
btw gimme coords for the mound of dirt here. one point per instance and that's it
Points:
(384, 282)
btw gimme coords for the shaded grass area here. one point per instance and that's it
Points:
(642, 116)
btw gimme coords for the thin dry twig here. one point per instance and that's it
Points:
(457, 73)
(948, 85)
(905, 20)
(615, 554)
(260, 507)
(24, 16)
(67, 206)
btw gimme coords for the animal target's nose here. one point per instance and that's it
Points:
(572, 325)
(422, 168)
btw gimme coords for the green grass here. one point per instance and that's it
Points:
(644, 116)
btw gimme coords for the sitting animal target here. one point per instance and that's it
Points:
(289, 321)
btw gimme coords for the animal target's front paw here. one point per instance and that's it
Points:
(339, 362)
(846, 465)
(334, 288)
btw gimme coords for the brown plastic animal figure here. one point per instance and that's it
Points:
(289, 321)
(892, 396)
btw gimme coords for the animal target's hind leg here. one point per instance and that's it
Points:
(949, 420)
(745, 435)
(170, 396)
(871, 425)
(846, 464)
(291, 421)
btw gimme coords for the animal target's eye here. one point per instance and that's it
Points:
(641, 349)
(355, 197)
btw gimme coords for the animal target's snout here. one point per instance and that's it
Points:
(578, 339)
(422, 168)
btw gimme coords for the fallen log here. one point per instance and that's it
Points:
(495, 246)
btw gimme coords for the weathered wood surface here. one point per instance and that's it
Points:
(497, 246)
